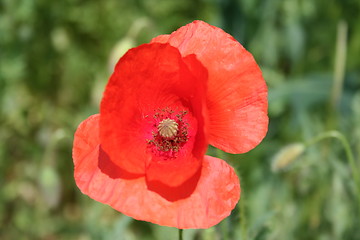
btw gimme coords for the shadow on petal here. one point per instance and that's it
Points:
(111, 169)
(173, 194)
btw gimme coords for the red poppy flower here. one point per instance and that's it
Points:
(144, 154)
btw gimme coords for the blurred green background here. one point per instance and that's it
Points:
(56, 57)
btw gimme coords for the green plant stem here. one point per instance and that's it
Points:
(180, 234)
(243, 219)
(242, 214)
(348, 152)
(340, 63)
(224, 229)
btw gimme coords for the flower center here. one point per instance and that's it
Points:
(168, 128)
(169, 134)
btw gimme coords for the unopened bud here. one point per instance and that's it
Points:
(286, 156)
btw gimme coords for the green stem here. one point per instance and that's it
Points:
(243, 219)
(348, 152)
(340, 64)
(180, 234)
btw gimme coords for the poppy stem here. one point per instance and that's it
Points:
(180, 234)
(243, 223)
(349, 154)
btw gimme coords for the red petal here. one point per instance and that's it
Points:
(84, 138)
(149, 78)
(161, 38)
(237, 93)
(215, 195)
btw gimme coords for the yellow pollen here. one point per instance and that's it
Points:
(168, 128)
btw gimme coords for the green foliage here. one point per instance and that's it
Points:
(56, 57)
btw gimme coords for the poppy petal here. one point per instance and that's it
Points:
(152, 83)
(214, 197)
(161, 38)
(237, 92)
